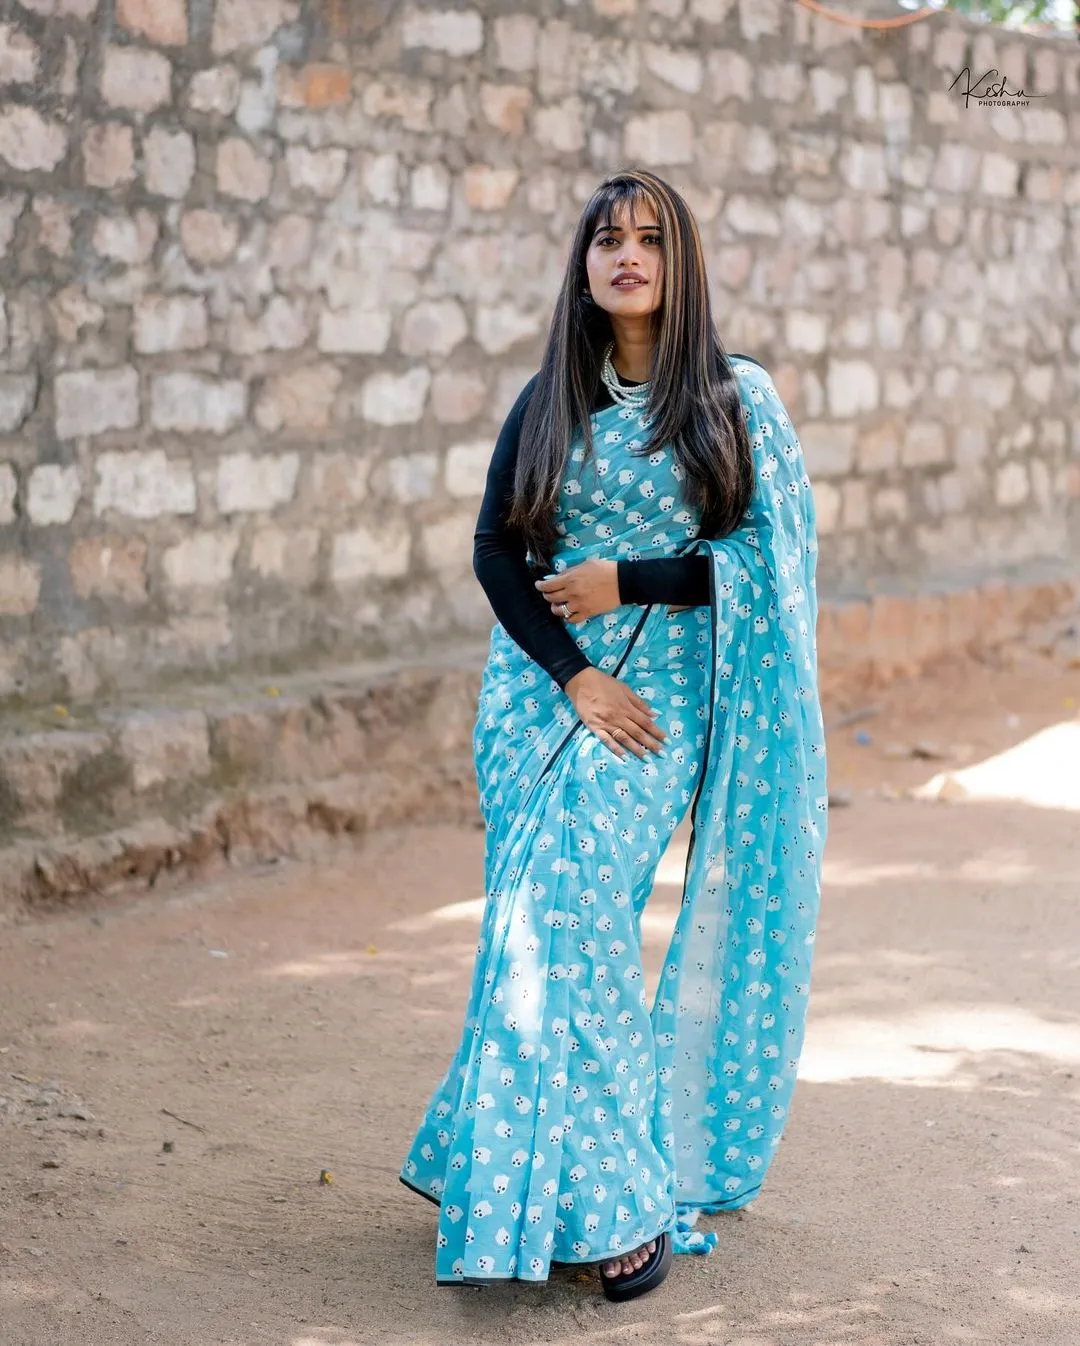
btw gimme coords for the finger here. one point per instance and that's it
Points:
(612, 742)
(633, 734)
(646, 725)
(625, 735)
(642, 704)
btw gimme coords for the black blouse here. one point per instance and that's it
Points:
(500, 564)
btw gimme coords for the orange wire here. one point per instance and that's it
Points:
(899, 22)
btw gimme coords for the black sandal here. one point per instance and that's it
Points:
(630, 1284)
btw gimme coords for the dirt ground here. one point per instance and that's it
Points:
(176, 1072)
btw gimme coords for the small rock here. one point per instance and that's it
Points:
(50, 1163)
(840, 799)
(167, 1146)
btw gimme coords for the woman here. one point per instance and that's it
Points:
(639, 473)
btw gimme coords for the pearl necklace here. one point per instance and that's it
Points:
(634, 395)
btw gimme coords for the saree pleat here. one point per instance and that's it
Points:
(576, 1121)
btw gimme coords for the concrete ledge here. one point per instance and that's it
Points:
(171, 790)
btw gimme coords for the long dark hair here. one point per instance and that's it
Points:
(693, 393)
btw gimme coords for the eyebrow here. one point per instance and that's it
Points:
(618, 229)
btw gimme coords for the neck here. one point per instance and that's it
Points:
(632, 356)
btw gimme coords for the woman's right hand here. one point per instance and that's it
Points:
(616, 714)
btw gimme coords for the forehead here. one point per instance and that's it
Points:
(619, 215)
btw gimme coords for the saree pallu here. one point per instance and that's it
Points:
(576, 1121)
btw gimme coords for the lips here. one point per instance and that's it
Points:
(627, 282)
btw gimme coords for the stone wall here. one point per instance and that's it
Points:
(273, 270)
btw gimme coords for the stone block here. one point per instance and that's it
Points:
(446, 545)
(505, 107)
(829, 448)
(12, 206)
(111, 566)
(862, 167)
(299, 399)
(52, 494)
(200, 561)
(18, 397)
(278, 553)
(499, 327)
(730, 75)
(318, 171)
(561, 126)
(752, 215)
(680, 67)
(20, 584)
(665, 137)
(379, 175)
(924, 444)
(433, 327)
(134, 78)
(91, 401)
(806, 331)
(878, 448)
(317, 85)
(166, 747)
(282, 326)
(162, 21)
(398, 98)
(249, 23)
(759, 18)
(170, 322)
(143, 484)
(30, 142)
(169, 162)
(215, 90)
(249, 483)
(126, 238)
(430, 187)
(827, 503)
(370, 553)
(54, 224)
(515, 41)
(242, 171)
(108, 153)
(458, 32)
(41, 768)
(72, 311)
(19, 56)
(852, 387)
(467, 466)
(208, 237)
(410, 477)
(9, 489)
(67, 80)
(190, 403)
(75, 9)
(1012, 486)
(457, 396)
(395, 399)
(289, 242)
(488, 188)
(339, 480)
(354, 331)
(1000, 175)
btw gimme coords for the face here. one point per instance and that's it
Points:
(624, 250)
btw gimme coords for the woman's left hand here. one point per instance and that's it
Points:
(587, 590)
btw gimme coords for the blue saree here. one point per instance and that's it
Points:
(575, 1121)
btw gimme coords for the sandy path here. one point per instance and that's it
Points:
(928, 1189)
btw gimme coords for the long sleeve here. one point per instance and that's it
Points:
(682, 580)
(500, 564)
